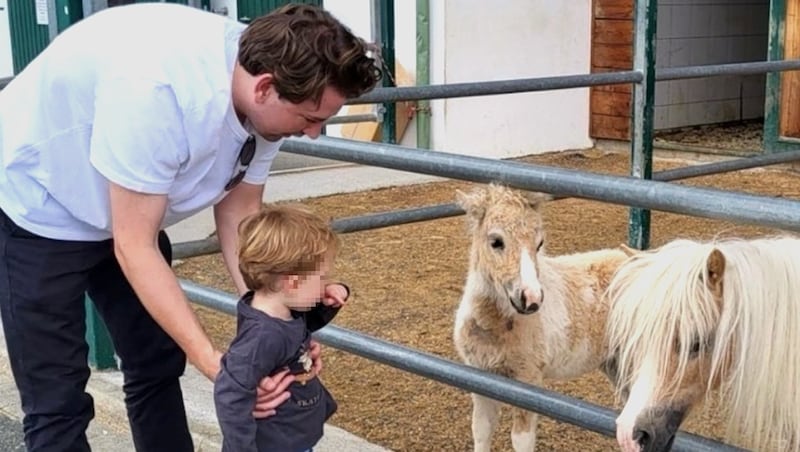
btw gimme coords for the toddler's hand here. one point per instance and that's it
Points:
(335, 295)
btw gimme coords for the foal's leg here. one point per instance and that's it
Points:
(484, 421)
(523, 431)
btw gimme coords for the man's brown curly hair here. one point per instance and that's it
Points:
(306, 49)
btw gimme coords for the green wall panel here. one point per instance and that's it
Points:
(27, 38)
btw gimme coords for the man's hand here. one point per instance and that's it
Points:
(335, 295)
(271, 392)
(209, 366)
(316, 357)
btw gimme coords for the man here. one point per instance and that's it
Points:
(131, 120)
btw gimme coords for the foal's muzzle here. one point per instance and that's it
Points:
(524, 305)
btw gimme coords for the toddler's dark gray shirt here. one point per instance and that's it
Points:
(264, 345)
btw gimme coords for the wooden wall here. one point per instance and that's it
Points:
(790, 80)
(612, 50)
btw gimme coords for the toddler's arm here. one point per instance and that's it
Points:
(235, 388)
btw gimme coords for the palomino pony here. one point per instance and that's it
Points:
(693, 317)
(523, 314)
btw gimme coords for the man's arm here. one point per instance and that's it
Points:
(136, 219)
(243, 200)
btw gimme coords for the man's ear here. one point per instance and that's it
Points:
(264, 87)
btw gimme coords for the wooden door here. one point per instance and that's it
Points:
(790, 81)
(612, 50)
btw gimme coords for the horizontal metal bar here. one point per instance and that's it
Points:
(210, 245)
(705, 169)
(751, 68)
(397, 217)
(436, 211)
(549, 403)
(194, 248)
(629, 191)
(348, 119)
(209, 297)
(470, 89)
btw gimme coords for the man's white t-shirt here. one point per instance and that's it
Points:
(139, 95)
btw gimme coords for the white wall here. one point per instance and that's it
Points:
(476, 40)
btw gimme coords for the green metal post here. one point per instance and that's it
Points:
(772, 141)
(101, 349)
(68, 12)
(28, 38)
(386, 17)
(644, 52)
(423, 73)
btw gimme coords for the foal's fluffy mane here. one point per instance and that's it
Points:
(661, 305)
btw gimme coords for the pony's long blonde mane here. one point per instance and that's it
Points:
(661, 305)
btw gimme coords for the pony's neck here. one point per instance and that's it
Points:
(551, 274)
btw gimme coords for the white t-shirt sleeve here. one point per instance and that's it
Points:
(137, 139)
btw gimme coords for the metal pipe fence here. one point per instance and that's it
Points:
(641, 193)
(490, 88)
(714, 70)
(343, 225)
(550, 403)
(623, 190)
(649, 194)
(349, 119)
(377, 220)
(470, 89)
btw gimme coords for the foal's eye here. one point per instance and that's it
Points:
(496, 243)
(539, 247)
(694, 350)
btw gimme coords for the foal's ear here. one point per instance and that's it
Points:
(536, 199)
(715, 268)
(473, 203)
